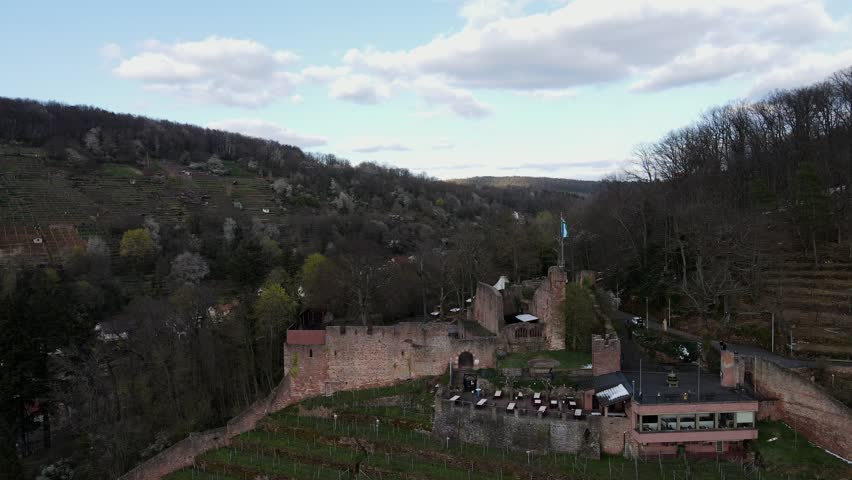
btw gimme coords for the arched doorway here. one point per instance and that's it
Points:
(465, 360)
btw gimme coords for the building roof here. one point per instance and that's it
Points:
(305, 337)
(613, 395)
(652, 388)
(608, 380)
(526, 317)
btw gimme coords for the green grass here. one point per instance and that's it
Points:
(287, 445)
(568, 360)
(793, 455)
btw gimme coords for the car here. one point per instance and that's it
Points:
(637, 321)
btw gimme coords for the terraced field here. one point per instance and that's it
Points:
(816, 303)
(385, 434)
(35, 194)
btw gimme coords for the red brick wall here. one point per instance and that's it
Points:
(606, 354)
(488, 307)
(547, 306)
(806, 407)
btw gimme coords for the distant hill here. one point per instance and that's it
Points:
(567, 185)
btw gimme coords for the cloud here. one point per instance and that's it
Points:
(230, 71)
(110, 52)
(549, 167)
(376, 144)
(549, 95)
(708, 63)
(596, 41)
(361, 89)
(255, 127)
(478, 12)
(461, 102)
(806, 69)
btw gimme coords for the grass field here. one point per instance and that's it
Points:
(289, 444)
(567, 359)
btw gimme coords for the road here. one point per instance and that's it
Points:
(631, 352)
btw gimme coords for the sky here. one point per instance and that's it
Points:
(452, 88)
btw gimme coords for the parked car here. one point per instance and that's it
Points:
(637, 321)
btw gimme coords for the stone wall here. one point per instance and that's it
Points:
(614, 431)
(805, 406)
(522, 337)
(364, 357)
(495, 428)
(488, 307)
(606, 354)
(547, 306)
(182, 454)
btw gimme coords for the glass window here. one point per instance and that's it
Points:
(649, 423)
(745, 419)
(705, 421)
(687, 422)
(668, 422)
(726, 420)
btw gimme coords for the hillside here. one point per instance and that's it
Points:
(143, 260)
(544, 184)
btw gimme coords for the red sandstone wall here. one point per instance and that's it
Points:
(488, 307)
(547, 306)
(361, 357)
(307, 367)
(806, 407)
(606, 354)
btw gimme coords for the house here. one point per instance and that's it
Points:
(672, 411)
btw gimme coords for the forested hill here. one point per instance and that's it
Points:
(544, 184)
(150, 269)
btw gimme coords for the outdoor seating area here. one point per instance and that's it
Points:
(540, 404)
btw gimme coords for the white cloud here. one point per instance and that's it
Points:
(806, 69)
(477, 12)
(110, 52)
(461, 102)
(595, 41)
(549, 95)
(362, 89)
(376, 144)
(230, 71)
(708, 63)
(255, 127)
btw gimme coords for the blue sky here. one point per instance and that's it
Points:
(453, 88)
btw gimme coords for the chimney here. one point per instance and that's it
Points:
(729, 369)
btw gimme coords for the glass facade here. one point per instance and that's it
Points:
(695, 421)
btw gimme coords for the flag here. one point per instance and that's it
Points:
(564, 228)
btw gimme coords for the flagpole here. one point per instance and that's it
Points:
(562, 240)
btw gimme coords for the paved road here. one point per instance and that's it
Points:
(621, 318)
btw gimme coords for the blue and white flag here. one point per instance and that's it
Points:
(564, 228)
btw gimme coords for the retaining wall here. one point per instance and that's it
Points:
(805, 406)
(493, 427)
